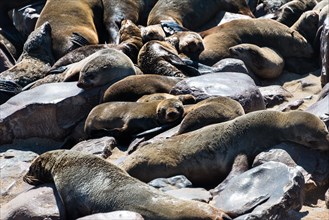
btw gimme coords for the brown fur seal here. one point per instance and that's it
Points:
(211, 150)
(187, 42)
(74, 23)
(289, 13)
(124, 119)
(88, 184)
(132, 88)
(36, 59)
(117, 10)
(160, 57)
(102, 67)
(194, 13)
(263, 61)
(261, 32)
(185, 99)
(307, 25)
(210, 111)
(130, 44)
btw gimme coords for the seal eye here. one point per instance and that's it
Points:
(90, 76)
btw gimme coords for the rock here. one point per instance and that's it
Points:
(268, 191)
(198, 194)
(42, 202)
(49, 111)
(274, 95)
(326, 197)
(175, 182)
(117, 215)
(237, 86)
(324, 47)
(230, 65)
(100, 146)
(321, 109)
(313, 165)
(14, 165)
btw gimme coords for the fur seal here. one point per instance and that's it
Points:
(132, 88)
(289, 13)
(124, 119)
(117, 10)
(191, 14)
(161, 57)
(36, 59)
(210, 111)
(80, 23)
(211, 150)
(102, 67)
(261, 32)
(185, 99)
(88, 184)
(307, 25)
(263, 61)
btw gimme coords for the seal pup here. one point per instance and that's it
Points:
(124, 119)
(88, 184)
(161, 57)
(289, 13)
(80, 23)
(210, 111)
(261, 32)
(211, 150)
(191, 14)
(36, 59)
(102, 67)
(307, 25)
(185, 99)
(134, 87)
(117, 10)
(263, 61)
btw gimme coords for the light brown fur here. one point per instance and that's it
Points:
(88, 184)
(211, 150)
(124, 119)
(263, 61)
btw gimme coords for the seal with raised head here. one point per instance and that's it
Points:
(124, 119)
(88, 184)
(102, 67)
(134, 87)
(74, 23)
(194, 13)
(263, 61)
(210, 111)
(211, 150)
(261, 32)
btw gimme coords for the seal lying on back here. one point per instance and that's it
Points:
(124, 119)
(194, 13)
(263, 61)
(261, 32)
(211, 150)
(88, 184)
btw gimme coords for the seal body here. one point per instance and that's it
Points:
(132, 88)
(211, 150)
(88, 184)
(193, 13)
(263, 61)
(124, 119)
(261, 32)
(80, 23)
(102, 67)
(210, 111)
